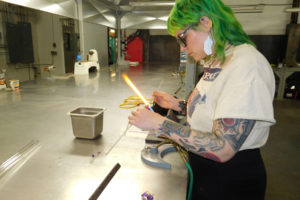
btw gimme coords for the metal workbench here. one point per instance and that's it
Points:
(283, 73)
(62, 167)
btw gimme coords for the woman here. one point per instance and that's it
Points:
(230, 111)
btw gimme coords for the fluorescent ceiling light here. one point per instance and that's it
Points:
(149, 18)
(163, 18)
(248, 9)
(51, 8)
(292, 9)
(156, 3)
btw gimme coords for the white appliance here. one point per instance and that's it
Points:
(82, 67)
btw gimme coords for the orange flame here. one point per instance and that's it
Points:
(130, 84)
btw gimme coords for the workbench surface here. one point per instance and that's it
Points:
(63, 167)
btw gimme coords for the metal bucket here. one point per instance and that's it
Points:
(87, 122)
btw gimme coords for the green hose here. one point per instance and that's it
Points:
(183, 155)
(191, 180)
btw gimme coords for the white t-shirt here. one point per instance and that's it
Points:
(243, 88)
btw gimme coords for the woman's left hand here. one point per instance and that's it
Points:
(145, 119)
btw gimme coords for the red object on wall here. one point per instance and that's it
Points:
(135, 50)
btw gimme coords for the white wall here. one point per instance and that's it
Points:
(48, 30)
(95, 37)
(272, 21)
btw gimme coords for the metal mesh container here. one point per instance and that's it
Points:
(87, 122)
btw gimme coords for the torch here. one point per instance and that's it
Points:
(132, 86)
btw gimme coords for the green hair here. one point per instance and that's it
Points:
(226, 27)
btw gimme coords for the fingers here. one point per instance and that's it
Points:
(133, 113)
(143, 118)
(157, 99)
(160, 95)
(131, 120)
(134, 117)
(156, 94)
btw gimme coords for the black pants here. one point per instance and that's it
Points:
(241, 178)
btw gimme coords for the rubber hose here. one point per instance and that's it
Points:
(191, 180)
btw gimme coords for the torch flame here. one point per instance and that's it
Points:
(130, 84)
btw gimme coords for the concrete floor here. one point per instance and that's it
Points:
(281, 153)
(61, 167)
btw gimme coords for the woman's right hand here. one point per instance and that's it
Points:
(165, 100)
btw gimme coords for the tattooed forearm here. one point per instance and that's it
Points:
(235, 131)
(209, 141)
(186, 146)
(201, 141)
(169, 127)
(226, 138)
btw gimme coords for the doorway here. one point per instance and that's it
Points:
(70, 39)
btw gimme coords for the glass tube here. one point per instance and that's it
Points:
(16, 158)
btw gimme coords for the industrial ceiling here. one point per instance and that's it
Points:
(146, 14)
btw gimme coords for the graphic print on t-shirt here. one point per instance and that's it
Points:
(210, 74)
(195, 98)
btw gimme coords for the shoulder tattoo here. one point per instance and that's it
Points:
(235, 131)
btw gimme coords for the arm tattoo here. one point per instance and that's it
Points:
(201, 143)
(187, 146)
(235, 131)
(208, 141)
(169, 127)
(210, 156)
(225, 131)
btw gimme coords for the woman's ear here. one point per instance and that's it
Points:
(206, 23)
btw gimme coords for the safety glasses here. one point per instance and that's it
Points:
(181, 38)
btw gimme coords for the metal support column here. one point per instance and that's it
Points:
(121, 60)
(81, 33)
(118, 21)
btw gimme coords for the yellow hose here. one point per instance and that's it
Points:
(133, 101)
